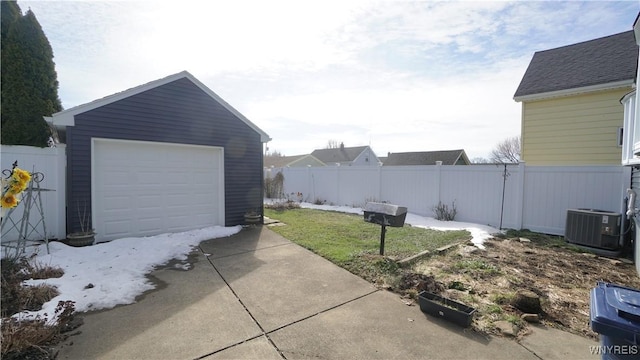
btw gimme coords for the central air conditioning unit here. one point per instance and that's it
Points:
(593, 228)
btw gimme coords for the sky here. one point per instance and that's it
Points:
(113, 273)
(398, 76)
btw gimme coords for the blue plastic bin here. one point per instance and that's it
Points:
(615, 315)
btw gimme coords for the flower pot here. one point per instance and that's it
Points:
(251, 219)
(80, 239)
(451, 310)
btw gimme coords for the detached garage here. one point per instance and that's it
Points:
(166, 156)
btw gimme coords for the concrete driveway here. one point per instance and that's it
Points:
(256, 295)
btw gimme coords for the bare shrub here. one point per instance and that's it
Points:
(33, 338)
(15, 296)
(444, 212)
(30, 339)
(274, 187)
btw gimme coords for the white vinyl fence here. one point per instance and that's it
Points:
(535, 197)
(51, 162)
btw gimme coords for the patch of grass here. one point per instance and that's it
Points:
(514, 280)
(340, 237)
(476, 266)
(457, 285)
(543, 239)
(515, 320)
(468, 299)
(351, 243)
(374, 268)
(493, 309)
(502, 298)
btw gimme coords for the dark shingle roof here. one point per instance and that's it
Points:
(448, 157)
(600, 61)
(338, 155)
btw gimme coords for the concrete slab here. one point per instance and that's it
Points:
(288, 283)
(191, 314)
(249, 239)
(258, 349)
(550, 344)
(380, 326)
(307, 306)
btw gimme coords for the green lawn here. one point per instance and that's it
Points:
(342, 237)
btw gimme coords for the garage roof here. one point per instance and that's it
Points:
(66, 117)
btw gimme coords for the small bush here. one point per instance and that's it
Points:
(319, 201)
(445, 213)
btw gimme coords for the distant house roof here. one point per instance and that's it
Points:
(448, 157)
(606, 62)
(338, 155)
(291, 161)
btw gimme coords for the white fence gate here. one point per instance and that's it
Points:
(535, 197)
(51, 162)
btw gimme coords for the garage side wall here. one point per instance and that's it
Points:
(178, 112)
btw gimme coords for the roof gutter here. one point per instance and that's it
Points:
(575, 91)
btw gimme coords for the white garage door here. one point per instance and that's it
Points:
(148, 188)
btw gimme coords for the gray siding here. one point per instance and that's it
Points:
(178, 112)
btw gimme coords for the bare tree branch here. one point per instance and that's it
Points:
(507, 151)
(332, 144)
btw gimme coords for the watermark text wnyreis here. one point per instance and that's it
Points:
(615, 349)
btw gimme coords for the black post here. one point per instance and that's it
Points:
(382, 232)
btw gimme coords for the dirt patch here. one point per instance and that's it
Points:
(489, 280)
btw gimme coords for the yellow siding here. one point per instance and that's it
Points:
(573, 130)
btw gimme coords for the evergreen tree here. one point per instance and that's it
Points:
(29, 80)
(9, 13)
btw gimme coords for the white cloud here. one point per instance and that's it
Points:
(399, 75)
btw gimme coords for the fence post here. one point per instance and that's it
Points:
(338, 185)
(61, 190)
(519, 200)
(312, 198)
(438, 181)
(379, 198)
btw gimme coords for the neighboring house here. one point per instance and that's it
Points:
(571, 111)
(166, 156)
(448, 157)
(291, 161)
(347, 156)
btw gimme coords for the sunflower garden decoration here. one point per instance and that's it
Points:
(13, 185)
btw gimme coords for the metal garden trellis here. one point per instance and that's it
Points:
(27, 225)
